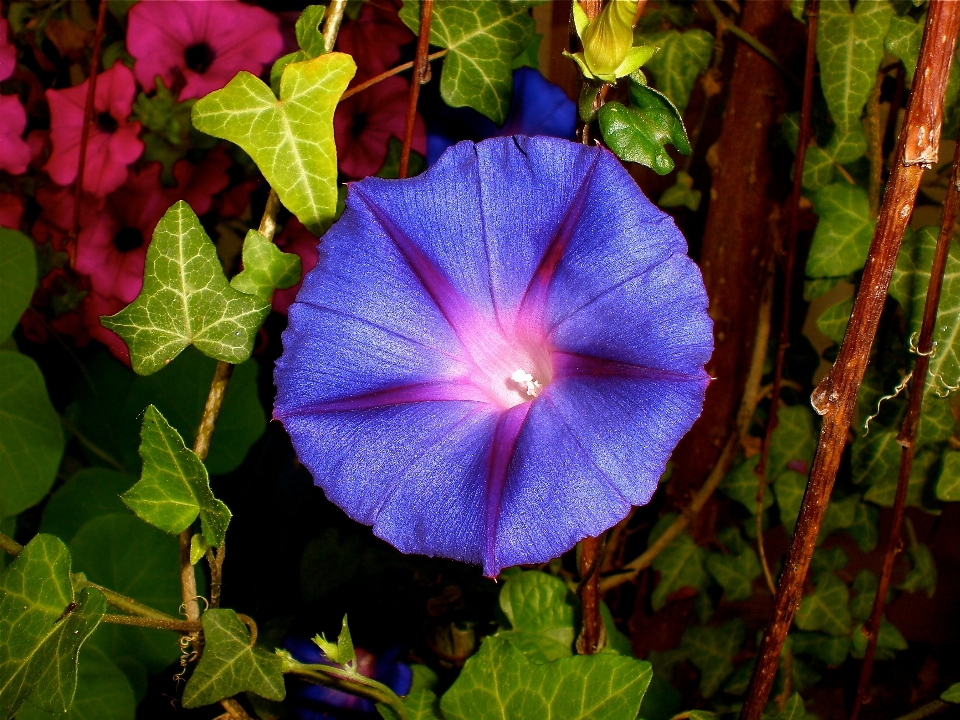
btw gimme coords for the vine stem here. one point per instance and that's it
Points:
(9, 545)
(789, 256)
(180, 626)
(835, 396)
(351, 682)
(908, 431)
(748, 404)
(87, 121)
(750, 41)
(331, 27)
(389, 73)
(420, 77)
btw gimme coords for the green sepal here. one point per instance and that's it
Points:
(341, 652)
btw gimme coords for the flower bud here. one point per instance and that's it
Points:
(609, 36)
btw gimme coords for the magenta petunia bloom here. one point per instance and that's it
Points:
(374, 39)
(495, 359)
(199, 46)
(113, 239)
(364, 123)
(295, 238)
(197, 183)
(14, 151)
(8, 51)
(113, 142)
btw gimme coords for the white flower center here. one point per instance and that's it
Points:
(526, 382)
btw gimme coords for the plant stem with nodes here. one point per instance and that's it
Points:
(908, 431)
(389, 73)
(835, 396)
(421, 76)
(345, 680)
(748, 403)
(87, 121)
(789, 256)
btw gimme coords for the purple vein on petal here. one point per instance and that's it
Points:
(535, 296)
(568, 364)
(445, 296)
(434, 391)
(504, 444)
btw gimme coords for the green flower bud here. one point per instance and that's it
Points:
(609, 36)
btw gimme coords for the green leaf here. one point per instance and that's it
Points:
(535, 602)
(831, 650)
(865, 529)
(876, 456)
(174, 487)
(419, 704)
(789, 488)
(681, 194)
(31, 439)
(948, 486)
(741, 484)
(41, 632)
(110, 400)
(833, 322)
(889, 639)
(682, 57)
(530, 55)
(864, 592)
(391, 164)
(883, 488)
(820, 164)
(903, 40)
(826, 560)
(850, 49)
(230, 664)
(290, 139)
(103, 692)
(735, 573)
(794, 440)
(90, 493)
(843, 234)
(198, 547)
(640, 133)
(341, 652)
(936, 422)
(186, 300)
(18, 276)
(841, 514)
(137, 560)
(827, 609)
(712, 650)
(500, 683)
(265, 268)
(483, 40)
(923, 574)
(680, 565)
(309, 31)
(793, 709)
(951, 694)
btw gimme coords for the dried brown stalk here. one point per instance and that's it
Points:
(421, 76)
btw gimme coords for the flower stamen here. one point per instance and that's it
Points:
(525, 380)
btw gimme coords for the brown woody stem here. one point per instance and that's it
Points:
(420, 76)
(592, 633)
(835, 397)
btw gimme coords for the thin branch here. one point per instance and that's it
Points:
(748, 404)
(215, 561)
(179, 626)
(908, 431)
(87, 121)
(350, 682)
(835, 396)
(331, 26)
(592, 633)
(389, 73)
(234, 709)
(789, 257)
(128, 604)
(750, 41)
(421, 76)
(9, 545)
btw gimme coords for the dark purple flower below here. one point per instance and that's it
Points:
(495, 359)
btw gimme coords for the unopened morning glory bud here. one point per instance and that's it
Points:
(495, 359)
(609, 37)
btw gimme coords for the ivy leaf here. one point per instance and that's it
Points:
(419, 704)
(308, 31)
(819, 168)
(794, 440)
(826, 560)
(535, 602)
(712, 650)
(842, 238)
(883, 488)
(850, 49)
(265, 268)
(864, 592)
(290, 139)
(936, 422)
(789, 488)
(137, 560)
(186, 300)
(841, 514)
(831, 650)
(951, 694)
(90, 493)
(231, 664)
(42, 633)
(681, 194)
(923, 574)
(483, 40)
(793, 709)
(741, 484)
(833, 322)
(682, 57)
(948, 486)
(640, 133)
(903, 40)
(827, 609)
(735, 573)
(18, 276)
(174, 487)
(501, 683)
(680, 564)
(31, 438)
(865, 528)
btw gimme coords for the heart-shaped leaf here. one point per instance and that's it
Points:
(265, 268)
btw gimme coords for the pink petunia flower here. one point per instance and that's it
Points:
(295, 238)
(11, 210)
(374, 39)
(199, 46)
(113, 142)
(8, 52)
(197, 183)
(112, 243)
(363, 125)
(14, 152)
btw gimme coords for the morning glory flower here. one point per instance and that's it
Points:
(495, 359)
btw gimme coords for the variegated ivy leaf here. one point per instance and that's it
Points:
(843, 234)
(290, 139)
(820, 165)
(948, 485)
(827, 609)
(186, 300)
(712, 650)
(833, 322)
(903, 40)
(265, 268)
(850, 49)
(681, 564)
(483, 39)
(174, 487)
(682, 57)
